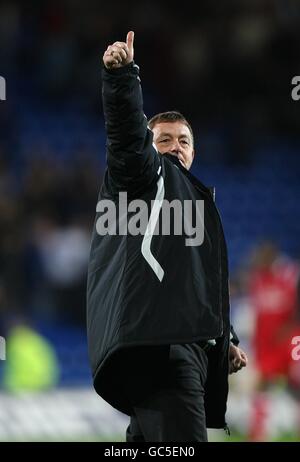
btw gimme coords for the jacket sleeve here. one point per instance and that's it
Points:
(132, 160)
(233, 336)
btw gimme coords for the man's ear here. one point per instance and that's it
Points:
(193, 154)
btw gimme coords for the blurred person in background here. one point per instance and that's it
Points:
(273, 296)
(31, 362)
(57, 238)
(294, 370)
(159, 338)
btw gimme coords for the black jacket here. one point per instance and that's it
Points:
(152, 291)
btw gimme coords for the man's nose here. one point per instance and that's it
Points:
(175, 147)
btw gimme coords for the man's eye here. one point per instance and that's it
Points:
(164, 141)
(184, 142)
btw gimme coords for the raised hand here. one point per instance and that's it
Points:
(120, 53)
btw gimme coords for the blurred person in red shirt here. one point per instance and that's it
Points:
(273, 293)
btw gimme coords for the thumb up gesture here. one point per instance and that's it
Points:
(120, 53)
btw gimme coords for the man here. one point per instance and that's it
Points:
(158, 307)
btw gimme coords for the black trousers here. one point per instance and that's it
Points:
(173, 410)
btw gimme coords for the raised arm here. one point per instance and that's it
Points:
(131, 158)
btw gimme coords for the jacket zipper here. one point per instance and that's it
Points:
(211, 195)
(220, 235)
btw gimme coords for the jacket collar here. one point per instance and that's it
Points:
(197, 183)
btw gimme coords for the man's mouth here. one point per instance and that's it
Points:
(181, 160)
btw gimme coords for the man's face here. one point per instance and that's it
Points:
(174, 138)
